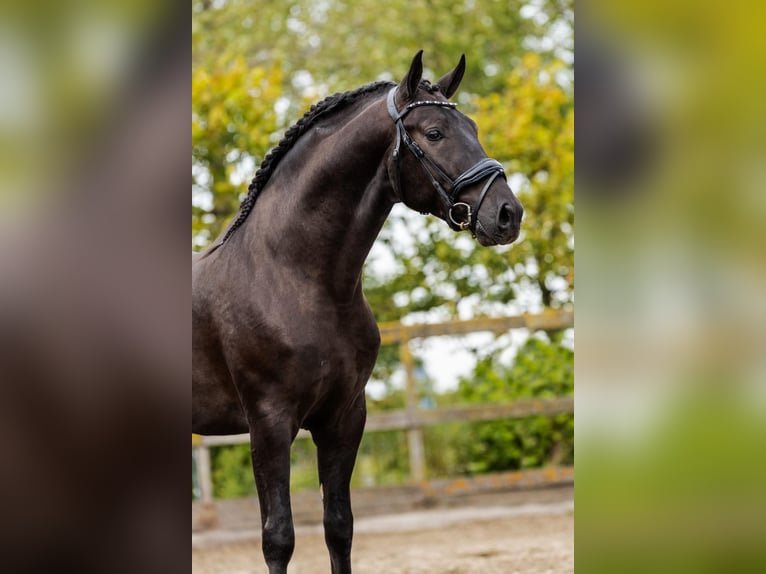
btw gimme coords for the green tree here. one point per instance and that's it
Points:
(233, 117)
(530, 125)
(338, 45)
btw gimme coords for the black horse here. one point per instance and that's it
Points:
(283, 337)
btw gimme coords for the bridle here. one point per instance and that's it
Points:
(485, 168)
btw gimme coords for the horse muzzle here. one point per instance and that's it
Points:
(500, 222)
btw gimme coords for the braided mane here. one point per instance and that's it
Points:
(271, 160)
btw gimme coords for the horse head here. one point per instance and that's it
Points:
(444, 169)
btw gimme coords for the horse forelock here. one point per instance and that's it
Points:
(429, 87)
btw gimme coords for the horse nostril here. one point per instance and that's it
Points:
(504, 215)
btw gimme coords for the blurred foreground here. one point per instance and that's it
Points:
(94, 292)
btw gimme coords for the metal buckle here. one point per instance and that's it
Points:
(462, 225)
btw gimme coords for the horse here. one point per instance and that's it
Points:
(283, 337)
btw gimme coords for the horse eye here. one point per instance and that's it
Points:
(434, 135)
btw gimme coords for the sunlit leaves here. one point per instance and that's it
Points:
(233, 117)
(530, 127)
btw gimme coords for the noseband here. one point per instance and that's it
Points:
(485, 168)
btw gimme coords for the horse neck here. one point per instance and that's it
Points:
(326, 203)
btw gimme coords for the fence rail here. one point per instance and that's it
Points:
(403, 420)
(413, 419)
(549, 320)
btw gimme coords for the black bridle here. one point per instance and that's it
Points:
(485, 168)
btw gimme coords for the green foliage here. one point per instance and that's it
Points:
(382, 460)
(232, 119)
(304, 473)
(443, 455)
(540, 370)
(333, 43)
(530, 126)
(232, 471)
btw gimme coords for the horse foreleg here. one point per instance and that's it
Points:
(270, 448)
(336, 454)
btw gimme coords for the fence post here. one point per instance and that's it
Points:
(204, 474)
(414, 433)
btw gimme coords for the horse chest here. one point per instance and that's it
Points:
(333, 358)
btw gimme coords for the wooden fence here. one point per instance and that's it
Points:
(412, 419)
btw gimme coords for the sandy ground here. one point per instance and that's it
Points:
(532, 538)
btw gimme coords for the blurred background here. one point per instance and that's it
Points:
(258, 66)
(671, 356)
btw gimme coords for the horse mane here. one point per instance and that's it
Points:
(319, 110)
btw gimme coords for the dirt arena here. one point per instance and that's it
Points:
(528, 538)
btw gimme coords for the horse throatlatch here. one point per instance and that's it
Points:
(485, 168)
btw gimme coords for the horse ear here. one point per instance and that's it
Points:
(409, 85)
(449, 83)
